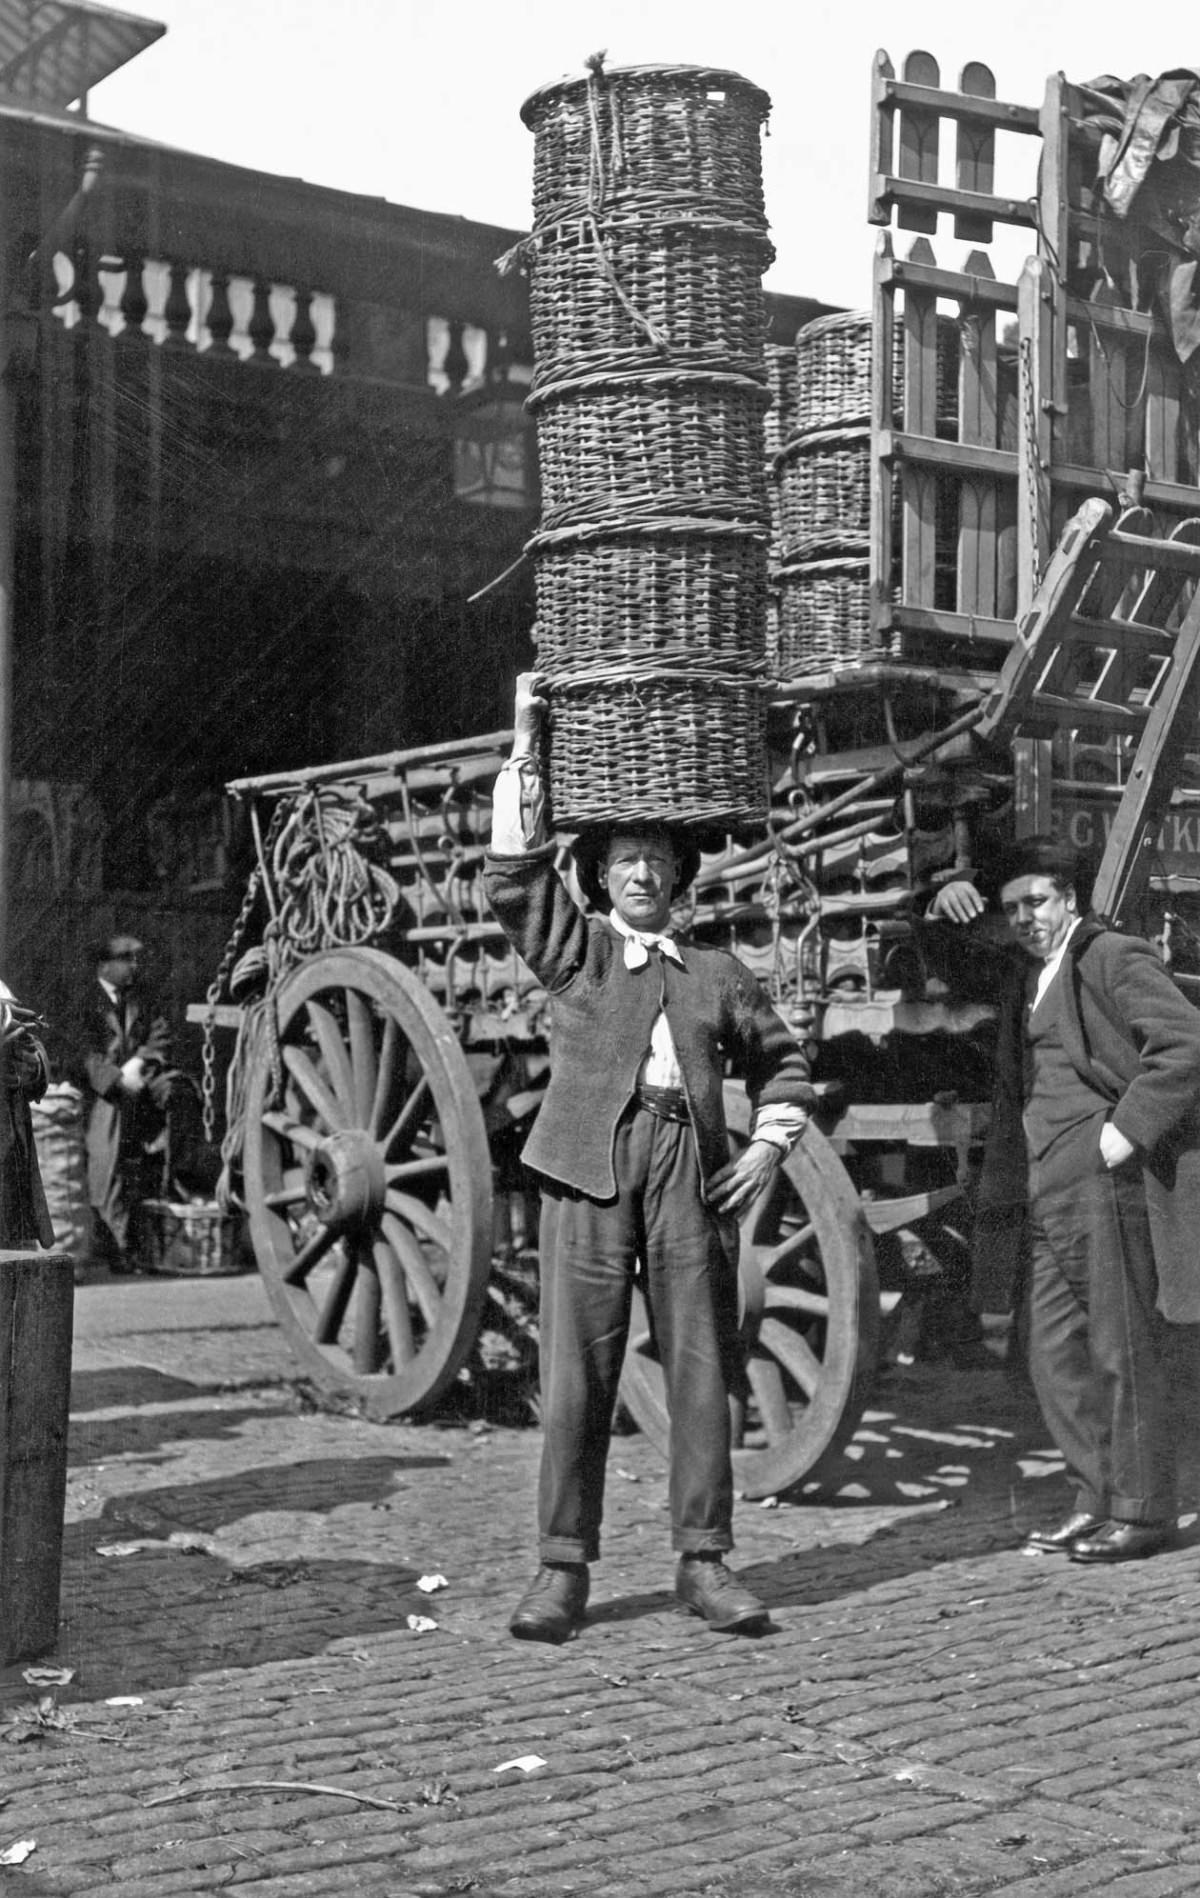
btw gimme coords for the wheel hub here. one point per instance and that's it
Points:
(345, 1180)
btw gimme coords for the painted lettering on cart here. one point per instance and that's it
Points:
(1086, 828)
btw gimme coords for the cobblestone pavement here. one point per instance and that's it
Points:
(932, 1712)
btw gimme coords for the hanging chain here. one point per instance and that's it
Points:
(1033, 463)
(219, 985)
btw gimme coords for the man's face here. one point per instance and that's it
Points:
(640, 874)
(122, 962)
(1039, 914)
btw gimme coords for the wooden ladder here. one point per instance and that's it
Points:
(1111, 644)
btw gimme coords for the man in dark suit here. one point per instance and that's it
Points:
(122, 1047)
(631, 1148)
(1096, 1133)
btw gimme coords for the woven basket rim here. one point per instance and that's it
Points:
(840, 320)
(708, 76)
(812, 440)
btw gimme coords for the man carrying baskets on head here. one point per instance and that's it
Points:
(631, 1147)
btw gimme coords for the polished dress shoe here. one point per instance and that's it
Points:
(709, 1589)
(1121, 1542)
(1059, 1541)
(552, 1606)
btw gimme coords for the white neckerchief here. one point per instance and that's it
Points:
(639, 943)
(1051, 965)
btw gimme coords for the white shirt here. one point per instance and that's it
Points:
(518, 825)
(1051, 966)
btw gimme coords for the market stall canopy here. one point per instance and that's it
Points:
(53, 52)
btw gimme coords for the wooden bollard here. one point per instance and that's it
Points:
(37, 1296)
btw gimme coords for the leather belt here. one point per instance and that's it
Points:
(669, 1103)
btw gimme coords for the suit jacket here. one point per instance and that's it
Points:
(101, 1042)
(24, 1074)
(1135, 1038)
(601, 1017)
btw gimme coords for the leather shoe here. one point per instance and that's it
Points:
(1078, 1524)
(552, 1606)
(709, 1589)
(1121, 1542)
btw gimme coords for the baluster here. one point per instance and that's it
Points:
(303, 336)
(456, 363)
(134, 304)
(261, 328)
(219, 321)
(87, 294)
(177, 311)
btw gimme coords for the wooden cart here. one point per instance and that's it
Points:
(1026, 661)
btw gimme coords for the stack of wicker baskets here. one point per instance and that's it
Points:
(646, 261)
(822, 472)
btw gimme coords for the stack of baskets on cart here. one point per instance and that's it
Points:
(649, 391)
(822, 477)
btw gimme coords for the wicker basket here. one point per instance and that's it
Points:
(187, 1238)
(670, 445)
(660, 602)
(680, 138)
(687, 299)
(684, 751)
(833, 373)
(779, 423)
(824, 493)
(823, 615)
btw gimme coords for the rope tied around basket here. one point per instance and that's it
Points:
(597, 188)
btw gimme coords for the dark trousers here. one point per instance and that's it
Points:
(1096, 1341)
(590, 1250)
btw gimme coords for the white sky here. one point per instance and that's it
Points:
(419, 103)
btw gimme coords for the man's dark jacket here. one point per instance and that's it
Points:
(602, 1015)
(1135, 1038)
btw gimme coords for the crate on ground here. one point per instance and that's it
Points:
(188, 1238)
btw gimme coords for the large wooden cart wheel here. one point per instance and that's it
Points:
(809, 1305)
(368, 1182)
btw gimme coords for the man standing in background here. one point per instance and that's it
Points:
(121, 1047)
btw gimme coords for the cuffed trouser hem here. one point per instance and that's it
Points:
(701, 1541)
(563, 1549)
(1155, 1509)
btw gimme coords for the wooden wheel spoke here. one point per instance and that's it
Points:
(362, 1057)
(396, 1315)
(367, 1342)
(791, 1351)
(385, 1075)
(407, 1114)
(775, 1413)
(311, 1252)
(413, 1169)
(317, 1094)
(337, 1297)
(292, 1193)
(335, 1056)
(413, 1263)
(785, 1250)
(796, 1298)
(416, 1213)
(293, 1130)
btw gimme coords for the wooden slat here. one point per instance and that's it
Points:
(927, 451)
(975, 152)
(977, 414)
(951, 283)
(914, 199)
(1174, 496)
(1162, 416)
(918, 490)
(967, 626)
(1108, 397)
(883, 409)
(960, 105)
(882, 125)
(918, 154)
